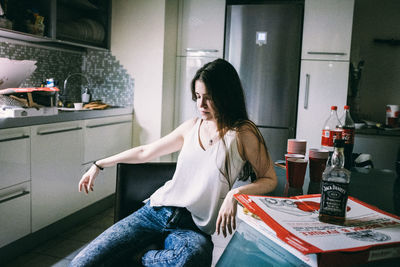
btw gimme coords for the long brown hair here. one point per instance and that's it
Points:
(225, 89)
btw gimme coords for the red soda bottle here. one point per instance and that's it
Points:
(331, 130)
(348, 132)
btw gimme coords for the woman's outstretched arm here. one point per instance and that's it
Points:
(166, 145)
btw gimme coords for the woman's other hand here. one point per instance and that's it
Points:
(87, 181)
(227, 215)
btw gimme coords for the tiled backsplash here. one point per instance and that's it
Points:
(109, 80)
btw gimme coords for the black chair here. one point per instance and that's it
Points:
(137, 182)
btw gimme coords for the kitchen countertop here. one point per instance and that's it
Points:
(64, 116)
(376, 131)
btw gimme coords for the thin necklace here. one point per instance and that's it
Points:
(211, 141)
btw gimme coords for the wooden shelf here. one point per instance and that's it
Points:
(23, 36)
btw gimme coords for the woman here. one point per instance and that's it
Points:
(218, 148)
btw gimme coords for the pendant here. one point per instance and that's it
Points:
(210, 142)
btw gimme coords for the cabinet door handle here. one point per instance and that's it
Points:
(58, 131)
(107, 124)
(24, 136)
(13, 195)
(307, 91)
(326, 53)
(201, 50)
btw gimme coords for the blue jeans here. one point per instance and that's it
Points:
(183, 243)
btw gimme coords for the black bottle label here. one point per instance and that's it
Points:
(333, 198)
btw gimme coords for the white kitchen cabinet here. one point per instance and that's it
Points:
(41, 165)
(102, 138)
(14, 156)
(327, 29)
(201, 26)
(56, 170)
(322, 84)
(106, 136)
(15, 210)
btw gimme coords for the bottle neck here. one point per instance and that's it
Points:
(334, 116)
(347, 115)
(338, 157)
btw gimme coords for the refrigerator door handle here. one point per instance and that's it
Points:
(202, 50)
(326, 53)
(307, 91)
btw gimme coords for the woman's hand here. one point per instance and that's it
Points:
(87, 180)
(227, 215)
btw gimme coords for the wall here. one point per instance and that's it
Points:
(109, 81)
(380, 80)
(169, 72)
(141, 41)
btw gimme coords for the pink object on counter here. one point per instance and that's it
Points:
(296, 146)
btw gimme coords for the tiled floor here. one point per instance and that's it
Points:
(62, 249)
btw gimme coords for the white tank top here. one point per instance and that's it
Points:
(198, 183)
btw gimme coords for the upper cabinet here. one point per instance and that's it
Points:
(26, 20)
(201, 27)
(86, 22)
(82, 23)
(327, 29)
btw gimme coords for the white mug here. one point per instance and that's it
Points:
(78, 106)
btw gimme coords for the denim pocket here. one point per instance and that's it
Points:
(175, 217)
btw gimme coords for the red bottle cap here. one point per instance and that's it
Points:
(334, 108)
(346, 107)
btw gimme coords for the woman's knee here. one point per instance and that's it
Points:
(182, 248)
(199, 253)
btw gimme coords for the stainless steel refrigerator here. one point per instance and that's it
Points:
(263, 43)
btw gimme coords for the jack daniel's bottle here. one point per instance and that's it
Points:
(334, 187)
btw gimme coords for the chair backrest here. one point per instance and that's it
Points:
(136, 182)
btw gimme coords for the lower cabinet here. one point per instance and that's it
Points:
(15, 210)
(15, 156)
(102, 138)
(106, 136)
(56, 159)
(41, 167)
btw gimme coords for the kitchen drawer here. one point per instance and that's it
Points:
(106, 136)
(15, 210)
(14, 156)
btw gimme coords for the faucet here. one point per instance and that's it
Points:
(66, 81)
